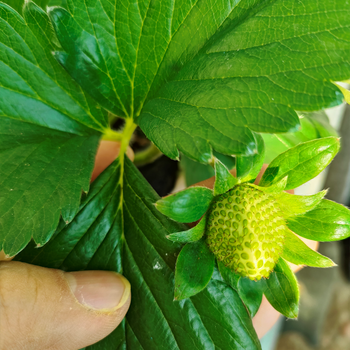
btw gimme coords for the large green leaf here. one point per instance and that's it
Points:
(130, 237)
(227, 67)
(49, 132)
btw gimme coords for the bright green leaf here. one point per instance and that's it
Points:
(302, 162)
(249, 167)
(191, 235)
(292, 205)
(187, 205)
(224, 180)
(276, 188)
(49, 132)
(282, 291)
(130, 238)
(298, 253)
(194, 268)
(328, 221)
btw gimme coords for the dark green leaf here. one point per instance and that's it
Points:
(251, 293)
(292, 205)
(282, 291)
(194, 268)
(191, 235)
(249, 167)
(298, 253)
(229, 276)
(302, 162)
(187, 205)
(194, 171)
(329, 221)
(130, 238)
(224, 180)
(49, 132)
(18, 4)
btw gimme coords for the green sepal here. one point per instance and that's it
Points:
(224, 180)
(248, 167)
(282, 291)
(298, 253)
(278, 187)
(292, 205)
(194, 268)
(250, 292)
(327, 222)
(229, 276)
(186, 206)
(302, 162)
(191, 235)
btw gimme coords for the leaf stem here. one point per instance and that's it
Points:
(112, 135)
(149, 155)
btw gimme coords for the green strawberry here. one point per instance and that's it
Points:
(245, 231)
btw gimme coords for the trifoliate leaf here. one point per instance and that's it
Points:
(298, 253)
(49, 132)
(187, 205)
(282, 291)
(194, 268)
(129, 237)
(329, 221)
(302, 162)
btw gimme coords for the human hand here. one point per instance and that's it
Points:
(48, 309)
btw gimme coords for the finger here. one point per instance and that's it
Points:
(44, 308)
(107, 152)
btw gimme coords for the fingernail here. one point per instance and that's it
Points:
(99, 290)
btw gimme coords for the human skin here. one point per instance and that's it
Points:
(41, 309)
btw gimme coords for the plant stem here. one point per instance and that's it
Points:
(128, 130)
(149, 155)
(112, 135)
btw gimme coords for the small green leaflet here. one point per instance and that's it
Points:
(129, 237)
(329, 221)
(282, 291)
(49, 132)
(302, 162)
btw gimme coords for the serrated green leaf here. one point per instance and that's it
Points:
(298, 253)
(329, 221)
(249, 167)
(257, 72)
(282, 291)
(302, 162)
(130, 238)
(49, 132)
(191, 235)
(194, 268)
(187, 205)
(292, 205)
(224, 180)
(18, 4)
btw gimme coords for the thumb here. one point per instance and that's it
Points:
(43, 308)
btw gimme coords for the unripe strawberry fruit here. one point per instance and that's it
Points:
(245, 230)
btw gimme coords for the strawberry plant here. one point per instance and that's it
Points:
(205, 80)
